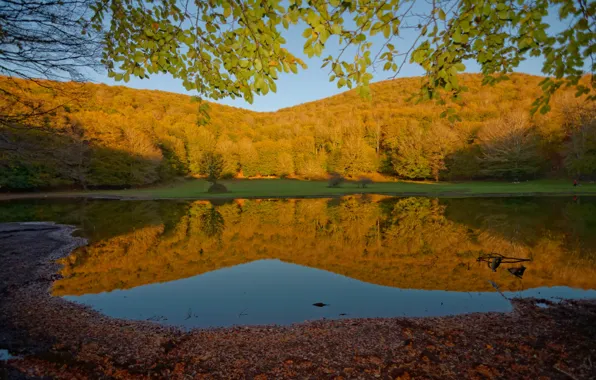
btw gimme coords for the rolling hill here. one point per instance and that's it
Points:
(98, 136)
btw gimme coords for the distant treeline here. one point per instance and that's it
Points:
(119, 137)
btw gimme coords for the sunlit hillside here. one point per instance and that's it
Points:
(102, 136)
(412, 243)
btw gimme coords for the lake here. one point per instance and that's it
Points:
(282, 261)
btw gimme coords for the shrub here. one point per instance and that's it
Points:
(336, 180)
(363, 181)
(217, 188)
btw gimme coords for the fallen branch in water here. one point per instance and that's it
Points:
(497, 289)
(504, 259)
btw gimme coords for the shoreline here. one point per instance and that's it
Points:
(231, 196)
(196, 189)
(58, 338)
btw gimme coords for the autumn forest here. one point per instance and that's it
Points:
(97, 136)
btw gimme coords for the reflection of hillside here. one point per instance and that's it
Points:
(406, 243)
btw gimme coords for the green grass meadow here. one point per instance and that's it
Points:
(255, 188)
(263, 188)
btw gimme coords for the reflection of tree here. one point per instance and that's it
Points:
(212, 223)
(524, 222)
(580, 219)
(521, 221)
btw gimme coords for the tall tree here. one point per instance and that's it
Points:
(356, 156)
(212, 164)
(510, 148)
(580, 145)
(409, 159)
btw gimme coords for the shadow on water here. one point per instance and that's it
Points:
(96, 219)
(269, 261)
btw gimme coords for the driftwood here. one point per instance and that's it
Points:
(518, 271)
(494, 260)
(504, 259)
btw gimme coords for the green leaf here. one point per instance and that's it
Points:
(465, 26)
(487, 10)
(364, 91)
(540, 35)
(456, 37)
(387, 31)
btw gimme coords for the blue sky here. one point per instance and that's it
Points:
(313, 83)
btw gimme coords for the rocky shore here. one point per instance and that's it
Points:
(53, 338)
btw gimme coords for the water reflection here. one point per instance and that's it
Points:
(274, 292)
(363, 256)
(410, 243)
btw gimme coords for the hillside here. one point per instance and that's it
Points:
(99, 136)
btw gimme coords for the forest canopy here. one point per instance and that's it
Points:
(119, 137)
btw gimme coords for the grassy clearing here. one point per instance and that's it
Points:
(197, 189)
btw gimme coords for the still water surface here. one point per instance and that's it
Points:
(245, 262)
